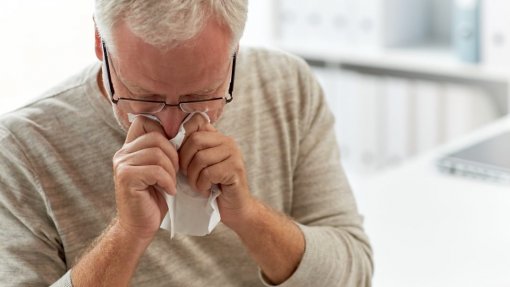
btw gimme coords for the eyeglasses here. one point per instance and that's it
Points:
(140, 106)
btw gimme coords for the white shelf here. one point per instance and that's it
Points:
(428, 60)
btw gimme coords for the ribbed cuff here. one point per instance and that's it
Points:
(308, 272)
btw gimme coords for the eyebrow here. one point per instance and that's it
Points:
(139, 90)
(132, 87)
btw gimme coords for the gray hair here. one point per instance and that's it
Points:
(167, 23)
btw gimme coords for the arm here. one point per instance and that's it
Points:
(328, 238)
(145, 161)
(30, 250)
(323, 203)
(112, 260)
(273, 240)
(207, 157)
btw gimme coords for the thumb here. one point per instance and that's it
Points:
(143, 125)
(198, 122)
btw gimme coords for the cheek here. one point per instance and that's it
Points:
(215, 115)
(121, 118)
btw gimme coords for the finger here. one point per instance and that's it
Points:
(143, 125)
(202, 160)
(220, 173)
(196, 142)
(140, 178)
(197, 122)
(157, 194)
(151, 156)
(161, 179)
(154, 140)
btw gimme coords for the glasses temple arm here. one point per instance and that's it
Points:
(108, 75)
(231, 87)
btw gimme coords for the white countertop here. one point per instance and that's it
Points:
(433, 229)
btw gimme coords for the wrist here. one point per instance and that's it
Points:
(244, 218)
(112, 260)
(134, 239)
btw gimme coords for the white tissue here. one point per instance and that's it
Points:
(189, 212)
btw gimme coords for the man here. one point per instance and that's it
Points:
(288, 216)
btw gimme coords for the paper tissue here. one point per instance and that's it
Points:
(189, 212)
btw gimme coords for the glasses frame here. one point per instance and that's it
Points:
(164, 103)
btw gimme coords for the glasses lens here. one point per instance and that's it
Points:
(203, 106)
(140, 107)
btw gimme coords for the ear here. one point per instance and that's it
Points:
(98, 43)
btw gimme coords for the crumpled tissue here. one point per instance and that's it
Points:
(189, 213)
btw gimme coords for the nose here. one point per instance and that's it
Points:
(170, 120)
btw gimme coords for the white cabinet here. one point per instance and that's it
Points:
(394, 73)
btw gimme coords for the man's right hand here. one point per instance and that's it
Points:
(146, 163)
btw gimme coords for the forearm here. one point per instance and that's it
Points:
(112, 260)
(273, 240)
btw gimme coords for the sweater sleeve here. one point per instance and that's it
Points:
(31, 250)
(337, 251)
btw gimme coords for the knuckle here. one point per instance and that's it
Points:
(160, 171)
(122, 174)
(159, 137)
(194, 138)
(231, 144)
(156, 138)
(122, 170)
(230, 141)
(158, 153)
(200, 157)
(115, 163)
(162, 163)
(118, 161)
(206, 173)
(175, 163)
(239, 167)
(236, 167)
(118, 154)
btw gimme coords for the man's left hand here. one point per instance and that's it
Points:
(208, 157)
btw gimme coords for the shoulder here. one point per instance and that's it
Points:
(51, 109)
(271, 64)
(269, 57)
(279, 79)
(277, 73)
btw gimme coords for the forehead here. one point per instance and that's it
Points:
(195, 64)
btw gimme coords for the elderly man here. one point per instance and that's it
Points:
(264, 138)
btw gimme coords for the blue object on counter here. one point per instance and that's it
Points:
(466, 30)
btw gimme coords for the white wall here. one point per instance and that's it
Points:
(43, 43)
(260, 29)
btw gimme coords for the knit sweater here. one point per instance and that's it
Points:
(57, 190)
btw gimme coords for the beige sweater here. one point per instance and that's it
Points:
(57, 191)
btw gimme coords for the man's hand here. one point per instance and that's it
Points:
(208, 157)
(146, 163)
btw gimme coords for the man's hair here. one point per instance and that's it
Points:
(167, 23)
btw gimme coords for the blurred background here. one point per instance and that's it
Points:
(402, 77)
